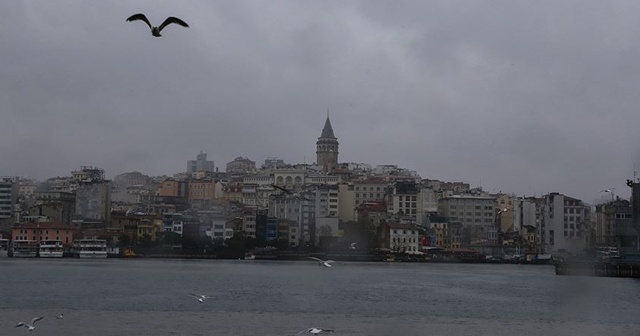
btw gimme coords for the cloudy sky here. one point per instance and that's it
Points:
(525, 97)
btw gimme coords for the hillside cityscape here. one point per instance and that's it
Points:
(326, 206)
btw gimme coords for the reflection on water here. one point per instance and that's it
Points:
(150, 297)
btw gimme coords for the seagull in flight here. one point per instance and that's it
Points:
(607, 190)
(289, 192)
(200, 298)
(325, 263)
(31, 326)
(353, 246)
(316, 331)
(60, 316)
(155, 31)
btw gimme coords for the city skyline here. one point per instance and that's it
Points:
(520, 98)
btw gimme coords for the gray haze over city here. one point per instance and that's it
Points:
(522, 97)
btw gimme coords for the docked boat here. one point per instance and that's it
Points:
(51, 249)
(24, 249)
(4, 247)
(90, 248)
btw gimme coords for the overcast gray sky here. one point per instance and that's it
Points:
(528, 97)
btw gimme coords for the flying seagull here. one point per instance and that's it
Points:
(200, 298)
(607, 190)
(155, 31)
(289, 192)
(30, 326)
(353, 246)
(325, 263)
(60, 316)
(316, 331)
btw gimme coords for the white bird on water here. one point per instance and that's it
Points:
(200, 298)
(155, 31)
(30, 326)
(325, 263)
(316, 331)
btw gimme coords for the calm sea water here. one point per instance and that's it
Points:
(150, 297)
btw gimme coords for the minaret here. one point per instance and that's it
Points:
(327, 147)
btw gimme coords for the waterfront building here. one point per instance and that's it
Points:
(564, 220)
(614, 226)
(43, 231)
(9, 189)
(477, 214)
(399, 238)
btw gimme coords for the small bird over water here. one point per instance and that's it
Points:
(325, 263)
(155, 31)
(316, 331)
(30, 326)
(200, 298)
(60, 316)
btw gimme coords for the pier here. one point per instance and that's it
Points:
(605, 269)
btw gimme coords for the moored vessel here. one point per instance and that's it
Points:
(90, 248)
(24, 249)
(51, 249)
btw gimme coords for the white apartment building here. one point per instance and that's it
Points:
(401, 238)
(563, 220)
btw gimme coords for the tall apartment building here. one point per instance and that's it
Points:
(564, 220)
(9, 189)
(200, 164)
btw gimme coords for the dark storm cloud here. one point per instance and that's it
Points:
(523, 97)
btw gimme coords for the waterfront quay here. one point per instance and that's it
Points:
(627, 269)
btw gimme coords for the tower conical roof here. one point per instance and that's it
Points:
(327, 131)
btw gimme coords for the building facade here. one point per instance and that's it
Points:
(9, 188)
(200, 164)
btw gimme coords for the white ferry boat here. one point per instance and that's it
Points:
(90, 248)
(24, 249)
(51, 249)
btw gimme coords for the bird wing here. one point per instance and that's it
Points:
(171, 20)
(36, 319)
(195, 296)
(141, 17)
(314, 258)
(20, 324)
(283, 189)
